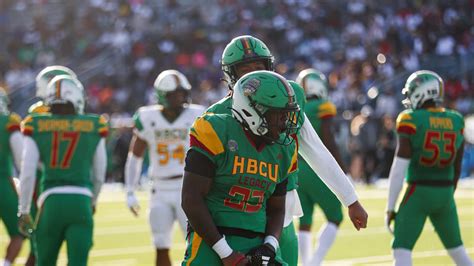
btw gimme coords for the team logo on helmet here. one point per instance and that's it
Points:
(251, 86)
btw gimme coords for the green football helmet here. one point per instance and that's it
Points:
(259, 92)
(47, 74)
(64, 88)
(422, 86)
(168, 81)
(314, 83)
(244, 49)
(4, 101)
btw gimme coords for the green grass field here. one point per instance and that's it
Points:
(121, 239)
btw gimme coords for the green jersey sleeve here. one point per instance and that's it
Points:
(137, 121)
(27, 126)
(103, 126)
(13, 123)
(204, 136)
(405, 124)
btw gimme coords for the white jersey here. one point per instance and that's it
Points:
(167, 141)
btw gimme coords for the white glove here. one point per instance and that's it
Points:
(132, 203)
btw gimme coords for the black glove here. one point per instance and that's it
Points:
(262, 255)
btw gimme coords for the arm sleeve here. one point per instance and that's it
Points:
(16, 145)
(30, 158)
(99, 167)
(133, 168)
(323, 163)
(395, 179)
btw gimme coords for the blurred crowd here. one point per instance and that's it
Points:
(367, 48)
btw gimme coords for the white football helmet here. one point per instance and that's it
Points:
(421, 86)
(313, 82)
(168, 81)
(47, 74)
(63, 89)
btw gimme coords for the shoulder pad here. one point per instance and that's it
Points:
(405, 123)
(204, 135)
(27, 127)
(327, 110)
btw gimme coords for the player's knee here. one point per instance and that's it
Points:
(162, 241)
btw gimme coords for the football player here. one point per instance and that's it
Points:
(10, 155)
(245, 54)
(42, 80)
(311, 190)
(164, 130)
(428, 156)
(71, 146)
(236, 175)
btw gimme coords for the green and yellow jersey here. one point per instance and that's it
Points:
(66, 145)
(224, 106)
(317, 110)
(435, 135)
(8, 124)
(246, 175)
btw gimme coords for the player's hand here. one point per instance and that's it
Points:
(389, 217)
(358, 215)
(235, 259)
(132, 203)
(25, 225)
(262, 255)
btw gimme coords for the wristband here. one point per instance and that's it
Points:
(222, 248)
(272, 241)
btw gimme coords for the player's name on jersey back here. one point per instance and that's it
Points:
(441, 122)
(65, 125)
